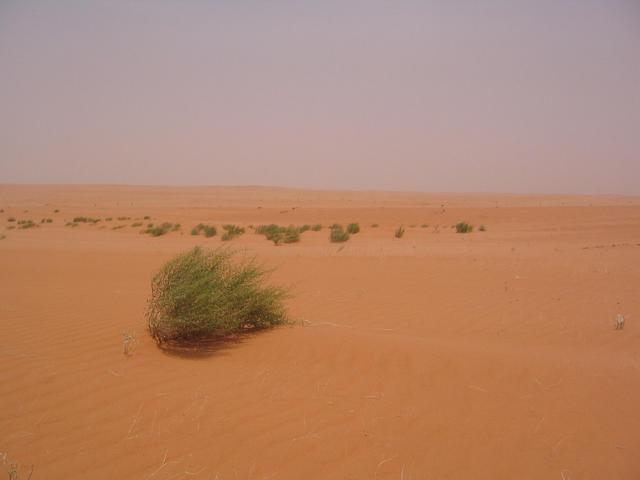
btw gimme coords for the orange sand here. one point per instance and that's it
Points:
(437, 356)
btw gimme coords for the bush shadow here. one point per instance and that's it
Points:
(206, 347)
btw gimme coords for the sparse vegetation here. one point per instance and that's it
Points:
(146, 217)
(71, 224)
(399, 233)
(122, 219)
(11, 219)
(13, 470)
(118, 227)
(56, 211)
(207, 230)
(108, 219)
(482, 228)
(11, 227)
(231, 231)
(85, 220)
(136, 224)
(463, 227)
(2, 237)
(353, 228)
(374, 225)
(424, 225)
(338, 234)
(316, 228)
(304, 228)
(46, 220)
(205, 292)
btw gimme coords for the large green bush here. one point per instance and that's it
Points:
(204, 292)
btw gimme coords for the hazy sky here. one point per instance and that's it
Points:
(465, 95)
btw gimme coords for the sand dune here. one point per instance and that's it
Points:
(439, 355)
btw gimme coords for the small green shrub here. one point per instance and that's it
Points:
(290, 234)
(208, 230)
(424, 225)
(2, 237)
(136, 224)
(279, 234)
(316, 228)
(24, 224)
(463, 227)
(122, 219)
(353, 228)
(176, 227)
(159, 230)
(338, 234)
(147, 217)
(46, 220)
(399, 233)
(11, 219)
(56, 211)
(374, 225)
(413, 225)
(108, 219)
(71, 224)
(231, 231)
(482, 228)
(118, 227)
(85, 220)
(205, 292)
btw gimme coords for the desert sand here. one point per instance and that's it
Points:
(490, 355)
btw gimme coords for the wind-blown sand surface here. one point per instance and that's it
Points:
(489, 355)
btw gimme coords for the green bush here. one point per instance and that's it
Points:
(231, 231)
(316, 228)
(338, 234)
(482, 228)
(374, 225)
(304, 228)
(159, 230)
(24, 224)
(11, 219)
(279, 234)
(136, 224)
(462, 227)
(205, 292)
(208, 230)
(85, 220)
(424, 225)
(353, 228)
(399, 233)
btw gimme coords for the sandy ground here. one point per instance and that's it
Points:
(436, 356)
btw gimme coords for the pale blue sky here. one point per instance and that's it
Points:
(509, 96)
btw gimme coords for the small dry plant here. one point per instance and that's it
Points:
(129, 341)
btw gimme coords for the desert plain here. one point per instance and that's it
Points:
(438, 355)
